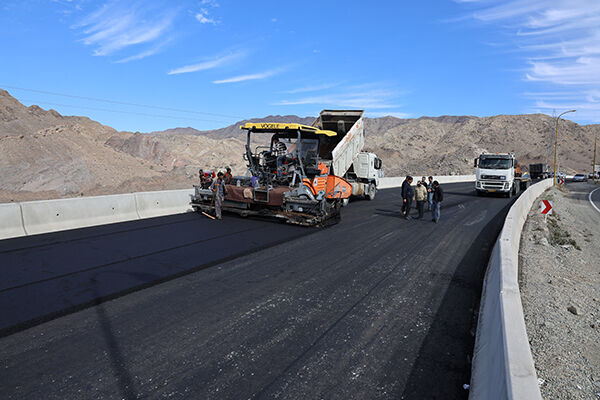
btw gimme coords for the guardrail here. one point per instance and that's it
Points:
(35, 217)
(502, 362)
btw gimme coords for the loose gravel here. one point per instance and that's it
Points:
(560, 289)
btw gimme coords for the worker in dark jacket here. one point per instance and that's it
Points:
(407, 195)
(437, 198)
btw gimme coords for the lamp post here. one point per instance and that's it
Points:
(556, 142)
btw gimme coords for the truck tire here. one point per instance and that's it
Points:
(370, 195)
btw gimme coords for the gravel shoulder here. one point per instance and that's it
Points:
(559, 279)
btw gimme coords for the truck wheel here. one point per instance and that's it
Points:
(371, 194)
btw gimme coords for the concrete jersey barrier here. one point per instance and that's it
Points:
(166, 202)
(392, 182)
(35, 217)
(503, 366)
(11, 222)
(61, 214)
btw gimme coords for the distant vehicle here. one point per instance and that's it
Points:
(580, 178)
(499, 172)
(539, 171)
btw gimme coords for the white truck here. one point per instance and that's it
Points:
(359, 168)
(499, 173)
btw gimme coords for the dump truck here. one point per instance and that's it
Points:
(539, 171)
(307, 183)
(501, 173)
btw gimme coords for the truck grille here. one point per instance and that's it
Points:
(492, 185)
(497, 177)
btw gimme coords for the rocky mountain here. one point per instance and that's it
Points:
(234, 131)
(46, 155)
(448, 145)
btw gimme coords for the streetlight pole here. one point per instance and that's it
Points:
(594, 164)
(556, 142)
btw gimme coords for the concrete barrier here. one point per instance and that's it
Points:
(392, 182)
(166, 202)
(11, 222)
(60, 214)
(502, 362)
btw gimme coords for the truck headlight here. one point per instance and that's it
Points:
(506, 185)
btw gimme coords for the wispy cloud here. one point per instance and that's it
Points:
(560, 40)
(249, 77)
(312, 88)
(208, 64)
(146, 53)
(366, 96)
(203, 18)
(114, 27)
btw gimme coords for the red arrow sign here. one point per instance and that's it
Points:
(546, 207)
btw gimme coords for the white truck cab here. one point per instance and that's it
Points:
(499, 172)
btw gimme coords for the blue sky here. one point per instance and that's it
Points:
(156, 64)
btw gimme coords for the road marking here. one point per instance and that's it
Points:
(590, 198)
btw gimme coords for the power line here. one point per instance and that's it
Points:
(118, 111)
(121, 102)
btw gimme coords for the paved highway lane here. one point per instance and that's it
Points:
(374, 307)
(43, 276)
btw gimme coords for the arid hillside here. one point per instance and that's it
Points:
(46, 155)
(448, 145)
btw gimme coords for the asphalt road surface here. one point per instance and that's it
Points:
(373, 307)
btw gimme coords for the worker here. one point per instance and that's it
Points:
(420, 197)
(218, 189)
(279, 148)
(228, 177)
(206, 178)
(280, 151)
(430, 193)
(438, 197)
(407, 196)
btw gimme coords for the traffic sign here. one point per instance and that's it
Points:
(546, 207)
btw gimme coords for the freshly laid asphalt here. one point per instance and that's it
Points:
(373, 307)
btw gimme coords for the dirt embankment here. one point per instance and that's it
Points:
(560, 289)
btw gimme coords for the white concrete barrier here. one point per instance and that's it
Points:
(11, 222)
(392, 182)
(61, 214)
(166, 202)
(502, 362)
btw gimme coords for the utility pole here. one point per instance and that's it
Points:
(556, 143)
(594, 166)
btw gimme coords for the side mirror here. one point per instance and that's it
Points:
(475, 163)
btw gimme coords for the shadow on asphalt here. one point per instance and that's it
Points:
(438, 353)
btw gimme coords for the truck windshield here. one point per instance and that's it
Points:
(494, 163)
